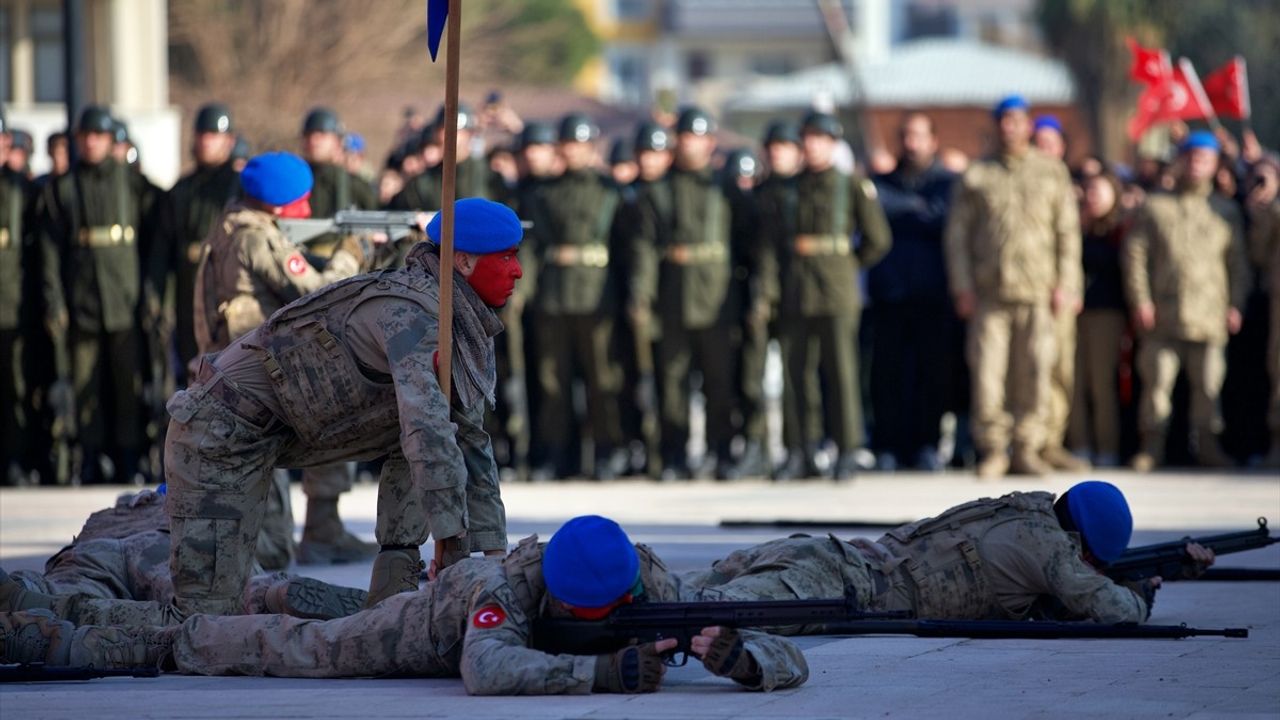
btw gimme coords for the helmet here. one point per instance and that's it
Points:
(537, 133)
(214, 118)
(242, 150)
(621, 152)
(1099, 511)
(695, 120)
(467, 118)
(741, 163)
(780, 131)
(590, 562)
(822, 123)
(120, 131)
(22, 140)
(652, 136)
(323, 120)
(577, 127)
(95, 118)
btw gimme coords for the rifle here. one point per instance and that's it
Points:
(1026, 629)
(648, 622)
(394, 224)
(1169, 560)
(39, 672)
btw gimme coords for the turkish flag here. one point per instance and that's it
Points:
(1179, 96)
(1228, 89)
(1150, 66)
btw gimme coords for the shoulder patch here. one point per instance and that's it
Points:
(868, 188)
(489, 616)
(295, 264)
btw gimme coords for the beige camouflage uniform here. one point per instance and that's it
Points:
(248, 270)
(1185, 255)
(346, 373)
(438, 632)
(1012, 238)
(1265, 253)
(983, 560)
(116, 570)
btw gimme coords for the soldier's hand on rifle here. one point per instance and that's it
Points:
(1201, 558)
(633, 669)
(723, 653)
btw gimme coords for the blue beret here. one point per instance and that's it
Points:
(1102, 516)
(590, 562)
(276, 178)
(1007, 103)
(1201, 139)
(480, 227)
(1050, 122)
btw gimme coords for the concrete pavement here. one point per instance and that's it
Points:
(850, 677)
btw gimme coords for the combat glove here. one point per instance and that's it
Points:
(728, 657)
(633, 669)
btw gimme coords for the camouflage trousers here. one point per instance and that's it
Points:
(1010, 350)
(1062, 379)
(392, 638)
(326, 482)
(1158, 362)
(125, 582)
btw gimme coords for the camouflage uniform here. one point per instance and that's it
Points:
(1012, 238)
(116, 571)
(446, 630)
(346, 373)
(1186, 256)
(1005, 558)
(1265, 252)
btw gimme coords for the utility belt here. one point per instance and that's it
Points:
(106, 235)
(590, 255)
(817, 245)
(695, 254)
(4, 238)
(216, 385)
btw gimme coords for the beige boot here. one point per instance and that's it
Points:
(313, 599)
(15, 597)
(37, 636)
(326, 542)
(113, 648)
(1059, 458)
(993, 466)
(394, 571)
(1027, 462)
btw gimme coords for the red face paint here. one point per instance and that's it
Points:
(300, 208)
(494, 277)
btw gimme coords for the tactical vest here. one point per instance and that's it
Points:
(225, 304)
(326, 398)
(936, 560)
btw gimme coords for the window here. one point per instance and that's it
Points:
(46, 37)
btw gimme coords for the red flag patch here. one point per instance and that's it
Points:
(489, 616)
(296, 264)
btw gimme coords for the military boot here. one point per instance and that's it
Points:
(35, 636)
(751, 464)
(1027, 462)
(1059, 458)
(1209, 452)
(993, 466)
(14, 596)
(394, 571)
(310, 598)
(324, 539)
(845, 467)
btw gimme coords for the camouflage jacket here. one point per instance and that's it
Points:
(247, 271)
(1013, 234)
(1186, 255)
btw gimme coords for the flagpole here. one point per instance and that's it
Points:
(453, 31)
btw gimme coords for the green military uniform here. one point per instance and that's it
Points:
(575, 303)
(474, 179)
(1265, 252)
(13, 421)
(808, 226)
(91, 227)
(1186, 256)
(336, 189)
(751, 331)
(1012, 238)
(190, 210)
(682, 268)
